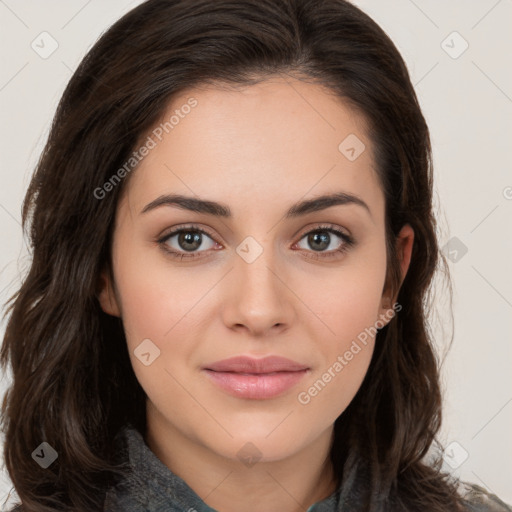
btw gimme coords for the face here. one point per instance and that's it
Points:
(267, 273)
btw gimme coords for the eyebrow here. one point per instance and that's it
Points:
(221, 210)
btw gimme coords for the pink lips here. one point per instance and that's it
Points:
(257, 379)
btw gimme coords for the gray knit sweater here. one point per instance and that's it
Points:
(152, 487)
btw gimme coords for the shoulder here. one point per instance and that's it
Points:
(477, 499)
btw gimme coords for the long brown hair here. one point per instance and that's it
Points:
(73, 384)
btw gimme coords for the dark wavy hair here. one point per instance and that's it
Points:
(73, 385)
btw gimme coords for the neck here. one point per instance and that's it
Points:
(226, 484)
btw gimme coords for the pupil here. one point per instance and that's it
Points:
(319, 238)
(189, 237)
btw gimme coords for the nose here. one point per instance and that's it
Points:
(259, 299)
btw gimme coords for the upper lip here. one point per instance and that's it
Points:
(245, 364)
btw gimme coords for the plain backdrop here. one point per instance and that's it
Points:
(458, 55)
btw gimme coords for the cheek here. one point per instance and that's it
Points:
(347, 305)
(345, 300)
(156, 300)
(163, 305)
(345, 351)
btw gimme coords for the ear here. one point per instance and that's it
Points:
(404, 244)
(106, 295)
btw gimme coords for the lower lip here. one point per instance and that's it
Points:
(256, 386)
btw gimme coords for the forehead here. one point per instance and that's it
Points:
(275, 141)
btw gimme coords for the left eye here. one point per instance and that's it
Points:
(321, 240)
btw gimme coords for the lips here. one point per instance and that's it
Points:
(258, 379)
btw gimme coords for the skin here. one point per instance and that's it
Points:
(258, 150)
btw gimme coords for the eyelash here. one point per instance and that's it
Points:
(348, 242)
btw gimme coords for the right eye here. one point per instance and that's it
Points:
(186, 242)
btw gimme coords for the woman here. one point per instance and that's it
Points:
(233, 241)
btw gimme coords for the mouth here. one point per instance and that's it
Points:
(256, 379)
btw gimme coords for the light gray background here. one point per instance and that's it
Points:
(468, 104)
